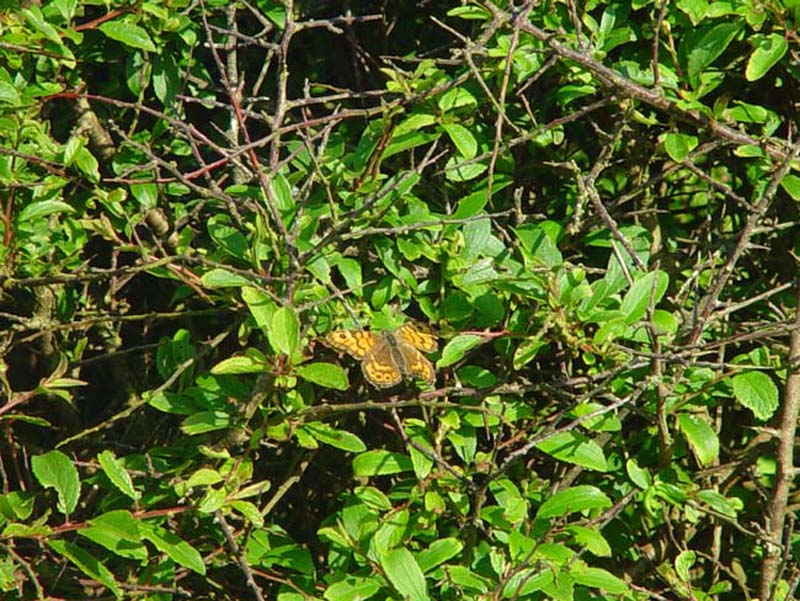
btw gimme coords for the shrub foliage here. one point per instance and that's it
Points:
(592, 204)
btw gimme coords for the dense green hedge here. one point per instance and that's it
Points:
(592, 205)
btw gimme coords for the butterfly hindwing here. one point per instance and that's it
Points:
(380, 367)
(415, 364)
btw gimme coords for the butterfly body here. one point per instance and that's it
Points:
(389, 356)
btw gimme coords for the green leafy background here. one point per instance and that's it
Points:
(593, 205)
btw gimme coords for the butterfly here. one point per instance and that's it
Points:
(386, 357)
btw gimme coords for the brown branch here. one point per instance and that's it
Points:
(106, 17)
(237, 551)
(784, 477)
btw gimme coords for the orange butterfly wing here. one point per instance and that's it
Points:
(388, 356)
(421, 338)
(354, 342)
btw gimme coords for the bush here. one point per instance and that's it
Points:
(592, 208)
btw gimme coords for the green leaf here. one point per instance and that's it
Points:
(455, 98)
(340, 439)
(43, 208)
(743, 112)
(390, 533)
(637, 300)
(678, 146)
(591, 539)
(351, 272)
(527, 581)
(282, 193)
(414, 122)
(9, 94)
(405, 575)
(538, 245)
(17, 505)
(117, 531)
(459, 169)
(222, 278)
(408, 141)
(769, 49)
(638, 475)
(463, 139)
(129, 34)
(684, 563)
(575, 448)
(608, 422)
(118, 475)
(27, 419)
(748, 151)
(352, 589)
(695, 9)
(456, 348)
(527, 351)
(730, 507)
(204, 477)
(284, 335)
(471, 205)
(701, 438)
(166, 78)
(756, 391)
(177, 550)
(36, 19)
(261, 306)
(373, 498)
(324, 374)
(466, 578)
(249, 511)
(478, 239)
(420, 452)
(508, 497)
(275, 548)
(66, 8)
(55, 470)
(438, 552)
(86, 563)
(706, 46)
(121, 522)
(380, 463)
(599, 579)
(368, 143)
(251, 490)
(477, 13)
(205, 421)
(242, 364)
(573, 500)
(71, 148)
(87, 164)
(791, 185)
(225, 236)
(20, 530)
(212, 500)
(670, 493)
(276, 13)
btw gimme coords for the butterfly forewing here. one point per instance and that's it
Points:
(420, 337)
(354, 342)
